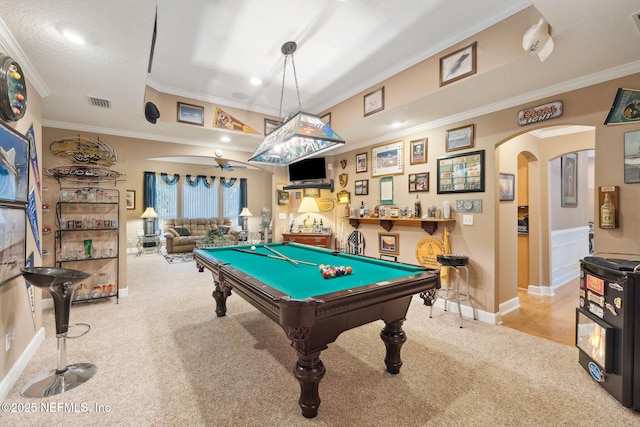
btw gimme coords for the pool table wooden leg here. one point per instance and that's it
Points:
(220, 294)
(393, 337)
(309, 370)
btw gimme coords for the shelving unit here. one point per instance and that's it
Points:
(87, 220)
(430, 225)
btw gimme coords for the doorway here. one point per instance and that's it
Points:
(532, 299)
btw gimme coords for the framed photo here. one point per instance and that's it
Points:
(283, 197)
(12, 242)
(458, 65)
(389, 243)
(311, 192)
(361, 162)
(270, 126)
(14, 170)
(507, 186)
(418, 151)
(419, 182)
(387, 159)
(326, 119)
(374, 101)
(459, 138)
(386, 190)
(131, 199)
(362, 187)
(192, 114)
(386, 257)
(461, 173)
(569, 180)
(632, 157)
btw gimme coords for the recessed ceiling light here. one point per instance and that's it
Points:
(73, 37)
(397, 124)
(255, 81)
(225, 139)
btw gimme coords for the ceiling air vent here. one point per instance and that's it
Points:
(98, 102)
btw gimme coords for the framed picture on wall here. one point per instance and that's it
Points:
(374, 102)
(192, 114)
(388, 243)
(569, 180)
(461, 173)
(507, 186)
(361, 162)
(362, 187)
(12, 242)
(459, 138)
(632, 157)
(458, 65)
(419, 182)
(14, 172)
(387, 159)
(131, 199)
(418, 151)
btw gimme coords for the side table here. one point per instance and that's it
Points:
(149, 243)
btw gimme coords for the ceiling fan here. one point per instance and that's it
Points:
(226, 166)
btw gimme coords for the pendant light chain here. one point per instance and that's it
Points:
(295, 79)
(288, 49)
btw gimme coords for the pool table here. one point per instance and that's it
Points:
(314, 310)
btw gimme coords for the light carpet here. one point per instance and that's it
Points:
(165, 359)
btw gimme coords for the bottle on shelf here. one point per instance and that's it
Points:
(417, 208)
(607, 213)
(347, 211)
(362, 209)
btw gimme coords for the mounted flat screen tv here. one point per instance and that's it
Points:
(308, 170)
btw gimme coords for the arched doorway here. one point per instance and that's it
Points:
(527, 288)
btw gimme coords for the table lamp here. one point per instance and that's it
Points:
(245, 214)
(307, 206)
(149, 217)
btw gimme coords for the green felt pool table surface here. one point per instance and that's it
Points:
(304, 281)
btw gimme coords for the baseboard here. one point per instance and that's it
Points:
(467, 311)
(541, 290)
(509, 306)
(10, 380)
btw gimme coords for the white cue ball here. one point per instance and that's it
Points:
(253, 248)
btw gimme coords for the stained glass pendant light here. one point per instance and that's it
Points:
(301, 136)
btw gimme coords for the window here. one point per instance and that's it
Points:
(166, 201)
(231, 196)
(199, 197)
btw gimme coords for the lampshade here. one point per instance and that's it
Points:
(246, 212)
(301, 136)
(309, 205)
(149, 213)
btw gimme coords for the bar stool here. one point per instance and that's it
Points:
(60, 283)
(457, 263)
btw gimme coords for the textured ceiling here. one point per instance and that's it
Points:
(208, 51)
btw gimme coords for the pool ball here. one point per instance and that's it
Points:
(253, 248)
(349, 270)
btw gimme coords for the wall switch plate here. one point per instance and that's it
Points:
(467, 219)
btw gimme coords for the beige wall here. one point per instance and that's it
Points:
(483, 241)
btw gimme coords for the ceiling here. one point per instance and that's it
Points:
(208, 50)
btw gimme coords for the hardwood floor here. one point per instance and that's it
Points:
(553, 318)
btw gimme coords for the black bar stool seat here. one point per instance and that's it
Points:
(60, 283)
(457, 263)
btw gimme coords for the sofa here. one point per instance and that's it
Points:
(181, 233)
